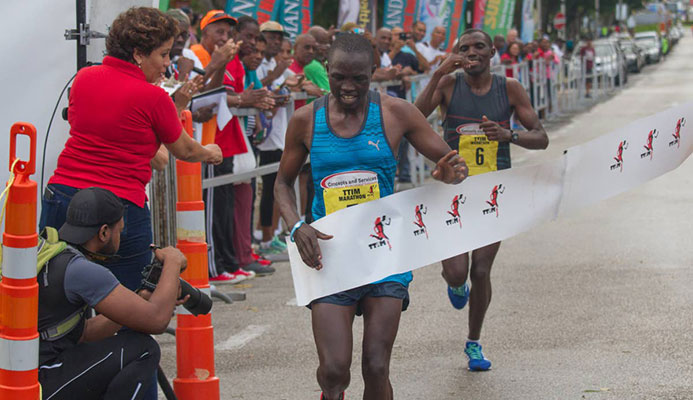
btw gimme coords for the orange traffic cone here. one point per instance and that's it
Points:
(19, 340)
(194, 335)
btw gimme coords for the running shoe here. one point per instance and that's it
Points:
(227, 277)
(477, 361)
(259, 269)
(459, 296)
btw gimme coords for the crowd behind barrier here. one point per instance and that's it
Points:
(561, 90)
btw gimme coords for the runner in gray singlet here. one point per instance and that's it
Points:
(477, 106)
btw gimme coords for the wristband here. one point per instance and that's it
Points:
(295, 228)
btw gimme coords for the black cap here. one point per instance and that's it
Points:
(90, 209)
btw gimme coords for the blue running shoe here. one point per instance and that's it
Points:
(459, 296)
(477, 361)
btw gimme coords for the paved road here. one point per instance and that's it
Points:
(595, 306)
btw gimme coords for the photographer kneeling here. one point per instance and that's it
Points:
(81, 357)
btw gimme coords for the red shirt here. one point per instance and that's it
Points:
(230, 139)
(117, 120)
(513, 60)
(297, 69)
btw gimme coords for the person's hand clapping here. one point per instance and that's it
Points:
(184, 94)
(222, 55)
(258, 98)
(450, 169)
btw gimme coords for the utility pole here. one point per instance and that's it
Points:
(563, 34)
(539, 19)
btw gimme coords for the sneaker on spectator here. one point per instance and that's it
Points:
(259, 269)
(275, 246)
(244, 274)
(260, 260)
(226, 277)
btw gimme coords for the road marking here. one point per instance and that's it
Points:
(237, 341)
(291, 302)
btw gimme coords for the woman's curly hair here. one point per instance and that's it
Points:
(142, 28)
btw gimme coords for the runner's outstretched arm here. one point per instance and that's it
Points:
(450, 167)
(432, 95)
(296, 151)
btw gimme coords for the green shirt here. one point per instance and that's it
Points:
(316, 73)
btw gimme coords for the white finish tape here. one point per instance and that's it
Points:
(19, 355)
(19, 263)
(388, 236)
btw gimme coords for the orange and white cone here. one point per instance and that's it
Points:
(19, 339)
(194, 335)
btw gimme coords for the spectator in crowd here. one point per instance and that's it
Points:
(544, 52)
(384, 71)
(417, 35)
(182, 59)
(192, 31)
(212, 51)
(432, 50)
(409, 65)
(246, 33)
(587, 55)
(498, 45)
(315, 70)
(510, 58)
(273, 73)
(511, 37)
(304, 53)
(557, 47)
(242, 240)
(77, 355)
(133, 120)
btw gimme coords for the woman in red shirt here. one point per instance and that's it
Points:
(118, 119)
(511, 57)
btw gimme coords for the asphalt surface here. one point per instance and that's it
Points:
(597, 305)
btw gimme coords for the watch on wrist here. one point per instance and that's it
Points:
(513, 136)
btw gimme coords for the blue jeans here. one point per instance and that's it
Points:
(134, 240)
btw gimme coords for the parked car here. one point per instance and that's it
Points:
(635, 56)
(610, 59)
(652, 45)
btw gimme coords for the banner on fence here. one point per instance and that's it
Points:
(527, 34)
(348, 12)
(400, 13)
(478, 14)
(498, 16)
(418, 227)
(367, 18)
(262, 10)
(296, 16)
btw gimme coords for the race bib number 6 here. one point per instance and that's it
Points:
(480, 153)
(346, 189)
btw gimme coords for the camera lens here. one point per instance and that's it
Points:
(198, 303)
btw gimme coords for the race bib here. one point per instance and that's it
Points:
(346, 189)
(480, 154)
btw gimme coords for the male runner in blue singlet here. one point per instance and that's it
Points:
(351, 136)
(477, 106)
